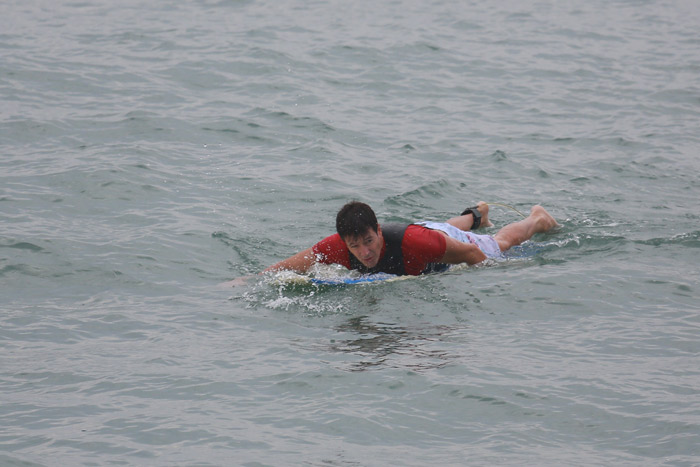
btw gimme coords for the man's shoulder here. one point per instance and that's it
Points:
(332, 250)
(416, 230)
(332, 241)
(419, 237)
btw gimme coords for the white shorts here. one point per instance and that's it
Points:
(486, 243)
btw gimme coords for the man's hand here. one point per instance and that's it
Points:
(237, 282)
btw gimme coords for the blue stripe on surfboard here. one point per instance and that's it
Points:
(353, 280)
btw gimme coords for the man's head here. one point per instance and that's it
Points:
(357, 225)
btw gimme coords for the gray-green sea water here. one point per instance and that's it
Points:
(151, 150)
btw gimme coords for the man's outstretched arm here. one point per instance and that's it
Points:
(457, 252)
(301, 262)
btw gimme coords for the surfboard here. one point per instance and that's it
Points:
(365, 279)
(328, 275)
(292, 278)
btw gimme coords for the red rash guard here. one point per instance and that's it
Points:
(420, 247)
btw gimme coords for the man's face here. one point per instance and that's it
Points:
(368, 247)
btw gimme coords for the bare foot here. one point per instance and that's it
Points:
(544, 220)
(483, 208)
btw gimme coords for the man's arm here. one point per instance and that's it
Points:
(457, 252)
(301, 262)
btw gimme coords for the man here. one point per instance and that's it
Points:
(411, 249)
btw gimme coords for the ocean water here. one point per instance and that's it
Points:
(150, 151)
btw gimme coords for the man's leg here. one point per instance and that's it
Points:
(465, 222)
(538, 221)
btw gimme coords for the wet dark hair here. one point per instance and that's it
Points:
(355, 219)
